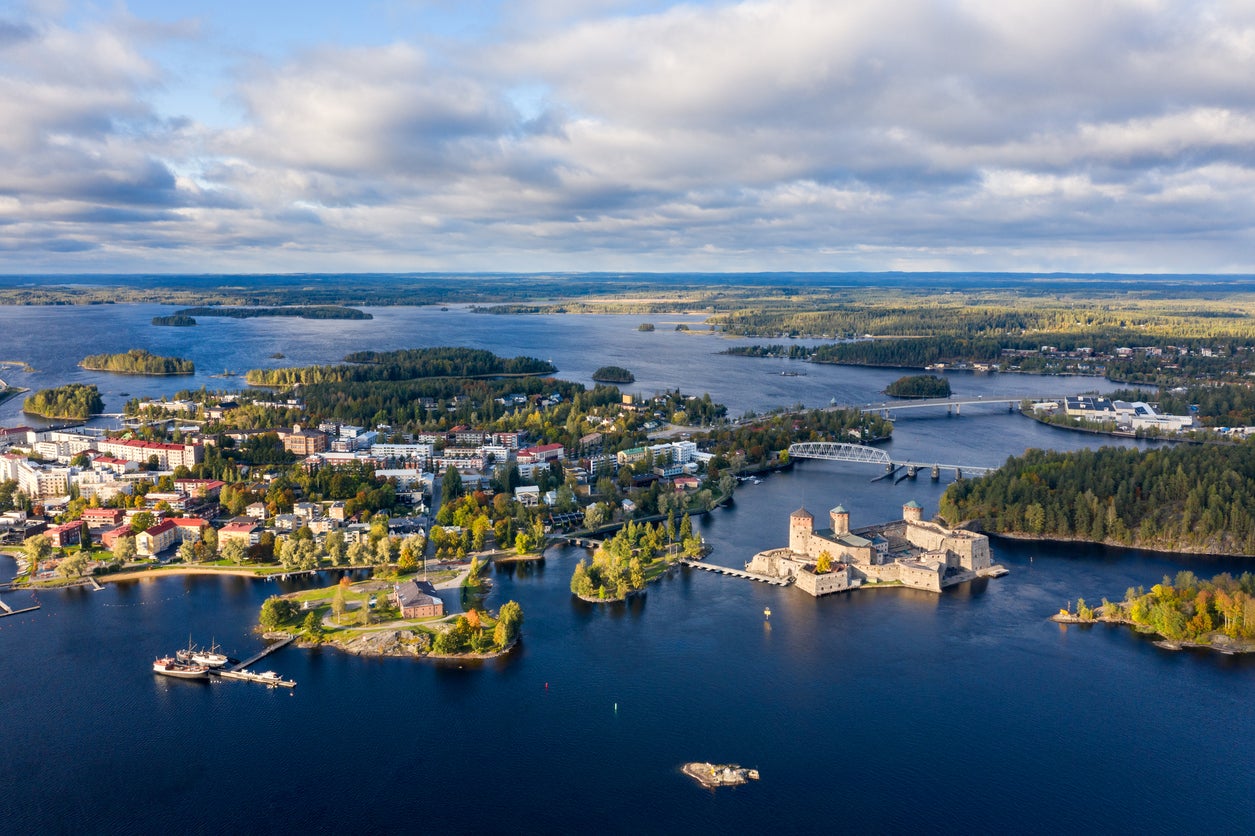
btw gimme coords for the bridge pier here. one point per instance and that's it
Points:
(936, 473)
(911, 470)
(958, 474)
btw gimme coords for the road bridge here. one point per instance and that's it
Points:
(952, 404)
(833, 451)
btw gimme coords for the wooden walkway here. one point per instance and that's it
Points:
(736, 573)
(264, 653)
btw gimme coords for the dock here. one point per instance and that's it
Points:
(270, 648)
(736, 573)
(6, 610)
(249, 676)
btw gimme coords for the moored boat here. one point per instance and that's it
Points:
(169, 666)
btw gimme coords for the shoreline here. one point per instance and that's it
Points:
(1162, 641)
(1032, 538)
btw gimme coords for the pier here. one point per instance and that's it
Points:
(270, 648)
(736, 573)
(6, 610)
(247, 676)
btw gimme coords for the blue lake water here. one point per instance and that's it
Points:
(884, 711)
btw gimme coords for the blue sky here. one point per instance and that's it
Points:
(536, 135)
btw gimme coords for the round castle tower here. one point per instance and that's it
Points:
(840, 521)
(912, 511)
(801, 524)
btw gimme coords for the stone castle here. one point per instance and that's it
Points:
(911, 551)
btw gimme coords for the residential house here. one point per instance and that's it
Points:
(156, 539)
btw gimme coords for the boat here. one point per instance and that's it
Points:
(793, 374)
(169, 666)
(192, 655)
(766, 612)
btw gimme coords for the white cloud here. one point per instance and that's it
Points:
(766, 134)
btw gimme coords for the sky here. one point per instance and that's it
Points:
(627, 135)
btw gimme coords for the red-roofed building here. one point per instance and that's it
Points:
(114, 534)
(190, 528)
(247, 534)
(156, 539)
(169, 456)
(543, 453)
(103, 517)
(66, 534)
(200, 488)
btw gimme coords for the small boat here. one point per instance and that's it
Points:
(168, 666)
(766, 612)
(192, 655)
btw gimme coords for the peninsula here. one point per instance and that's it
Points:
(74, 401)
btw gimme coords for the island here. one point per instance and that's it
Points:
(712, 775)
(645, 326)
(391, 367)
(633, 557)
(174, 321)
(138, 361)
(919, 386)
(76, 401)
(300, 311)
(401, 617)
(910, 552)
(1184, 611)
(613, 374)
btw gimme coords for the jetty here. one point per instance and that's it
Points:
(736, 573)
(252, 660)
(6, 610)
(267, 678)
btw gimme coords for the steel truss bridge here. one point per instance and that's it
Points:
(833, 451)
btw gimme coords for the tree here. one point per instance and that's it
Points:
(277, 611)
(312, 625)
(338, 604)
(124, 549)
(187, 552)
(72, 566)
(823, 564)
(233, 551)
(210, 539)
(337, 549)
(594, 515)
(451, 484)
(37, 549)
(142, 521)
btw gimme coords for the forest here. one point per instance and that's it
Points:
(1185, 608)
(1186, 498)
(74, 401)
(174, 320)
(613, 374)
(300, 311)
(635, 555)
(138, 361)
(919, 386)
(408, 364)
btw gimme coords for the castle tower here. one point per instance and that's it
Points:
(840, 521)
(912, 511)
(801, 524)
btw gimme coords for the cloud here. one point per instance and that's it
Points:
(765, 134)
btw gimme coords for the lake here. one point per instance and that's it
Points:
(887, 710)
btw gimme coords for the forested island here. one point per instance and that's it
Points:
(645, 326)
(75, 401)
(1217, 613)
(301, 311)
(919, 386)
(138, 361)
(613, 374)
(174, 321)
(634, 556)
(1188, 498)
(408, 364)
